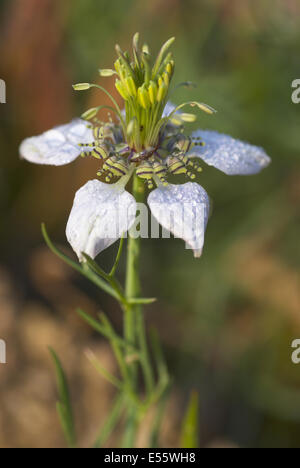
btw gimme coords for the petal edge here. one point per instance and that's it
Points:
(100, 215)
(183, 210)
(58, 146)
(231, 156)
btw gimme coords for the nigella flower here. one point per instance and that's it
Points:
(147, 141)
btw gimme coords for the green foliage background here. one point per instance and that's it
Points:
(228, 319)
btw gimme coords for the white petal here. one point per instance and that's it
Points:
(101, 214)
(58, 146)
(234, 157)
(169, 107)
(182, 210)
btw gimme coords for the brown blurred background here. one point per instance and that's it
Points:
(227, 320)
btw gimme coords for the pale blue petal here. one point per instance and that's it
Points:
(101, 214)
(234, 157)
(183, 210)
(169, 108)
(58, 146)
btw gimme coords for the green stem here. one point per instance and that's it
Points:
(134, 329)
(132, 290)
(112, 421)
(143, 346)
(134, 317)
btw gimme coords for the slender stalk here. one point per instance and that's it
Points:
(155, 432)
(134, 328)
(144, 354)
(132, 290)
(112, 421)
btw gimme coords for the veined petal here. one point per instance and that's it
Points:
(234, 157)
(182, 210)
(101, 214)
(58, 146)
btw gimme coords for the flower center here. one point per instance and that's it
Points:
(169, 156)
(144, 140)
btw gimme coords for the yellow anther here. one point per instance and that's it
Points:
(100, 152)
(130, 127)
(130, 85)
(205, 107)
(195, 166)
(169, 68)
(81, 86)
(166, 78)
(162, 92)
(121, 89)
(145, 49)
(120, 69)
(176, 166)
(108, 177)
(152, 91)
(143, 97)
(184, 144)
(176, 120)
(186, 117)
(90, 114)
(106, 72)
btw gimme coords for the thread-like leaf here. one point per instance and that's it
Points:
(79, 268)
(190, 427)
(64, 407)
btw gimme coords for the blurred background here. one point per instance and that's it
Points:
(227, 320)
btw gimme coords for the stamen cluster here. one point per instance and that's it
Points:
(118, 159)
(144, 88)
(144, 140)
